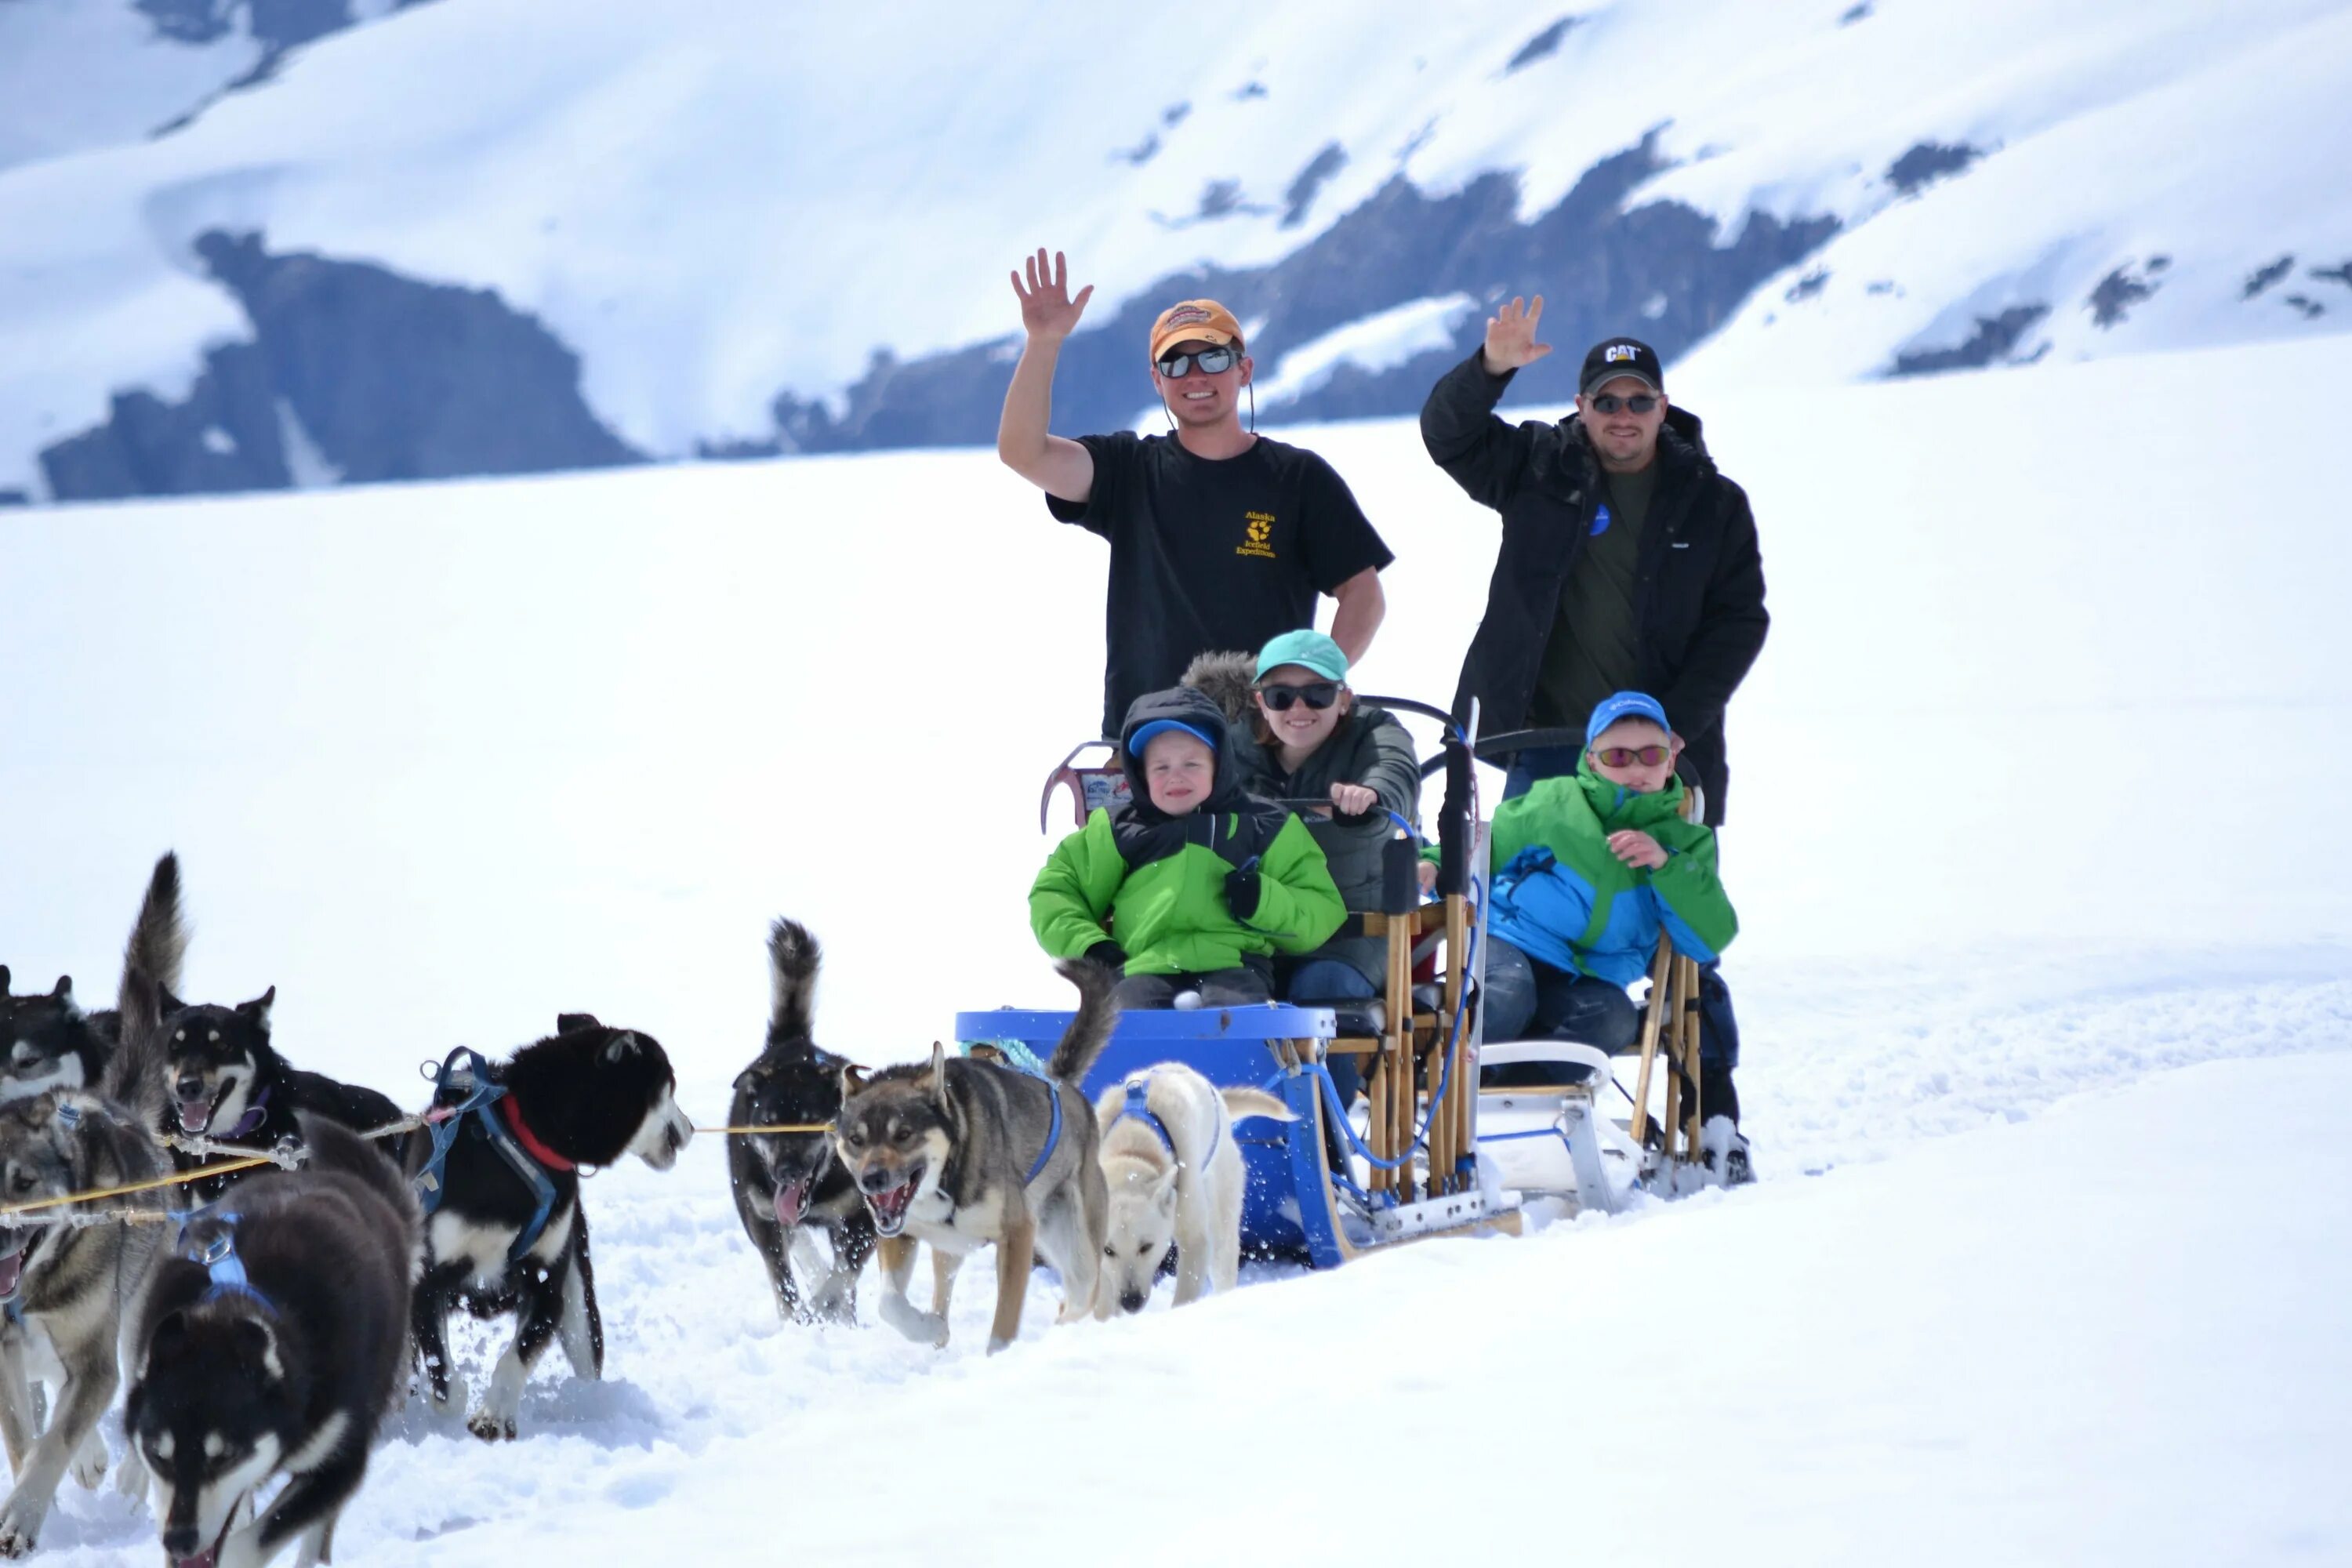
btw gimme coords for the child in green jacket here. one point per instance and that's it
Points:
(1202, 883)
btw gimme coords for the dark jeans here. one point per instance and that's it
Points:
(1218, 988)
(1332, 982)
(1538, 763)
(1528, 999)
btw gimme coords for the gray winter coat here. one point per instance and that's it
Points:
(1369, 748)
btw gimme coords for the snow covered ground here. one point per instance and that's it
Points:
(2036, 833)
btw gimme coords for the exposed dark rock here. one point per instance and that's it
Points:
(2118, 292)
(1248, 90)
(1928, 162)
(1142, 153)
(1854, 13)
(1543, 46)
(1596, 264)
(2264, 277)
(390, 378)
(1303, 189)
(1811, 284)
(278, 26)
(2339, 274)
(1219, 197)
(1173, 115)
(1993, 339)
(15, 497)
(2311, 310)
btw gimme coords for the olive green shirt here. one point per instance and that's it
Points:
(1595, 649)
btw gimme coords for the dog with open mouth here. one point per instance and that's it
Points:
(787, 1184)
(504, 1229)
(965, 1154)
(229, 1084)
(269, 1344)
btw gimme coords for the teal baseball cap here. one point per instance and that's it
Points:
(1309, 649)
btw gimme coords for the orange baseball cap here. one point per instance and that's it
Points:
(1201, 320)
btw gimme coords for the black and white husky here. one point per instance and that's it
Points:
(788, 1184)
(504, 1231)
(229, 1085)
(268, 1344)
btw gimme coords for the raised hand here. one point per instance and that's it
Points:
(1511, 337)
(1047, 312)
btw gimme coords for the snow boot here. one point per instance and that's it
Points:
(1725, 1148)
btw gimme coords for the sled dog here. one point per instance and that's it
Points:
(67, 1287)
(789, 1183)
(229, 1084)
(49, 1042)
(1175, 1175)
(269, 1344)
(965, 1154)
(586, 1095)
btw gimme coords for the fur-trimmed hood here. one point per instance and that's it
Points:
(1227, 679)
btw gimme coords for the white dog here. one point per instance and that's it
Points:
(1175, 1175)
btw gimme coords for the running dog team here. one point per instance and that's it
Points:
(264, 1330)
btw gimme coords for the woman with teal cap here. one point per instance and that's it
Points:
(1299, 732)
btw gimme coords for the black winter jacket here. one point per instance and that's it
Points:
(1701, 579)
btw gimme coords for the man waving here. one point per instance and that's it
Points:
(1220, 538)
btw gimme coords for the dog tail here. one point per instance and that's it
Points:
(1090, 1026)
(1245, 1102)
(793, 957)
(150, 971)
(158, 944)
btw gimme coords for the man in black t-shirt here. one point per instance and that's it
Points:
(1220, 538)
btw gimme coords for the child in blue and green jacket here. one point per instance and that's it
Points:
(1591, 868)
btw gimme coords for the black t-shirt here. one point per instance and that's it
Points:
(1211, 554)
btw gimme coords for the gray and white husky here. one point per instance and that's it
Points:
(67, 1286)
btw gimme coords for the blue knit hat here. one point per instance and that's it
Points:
(1146, 734)
(1625, 705)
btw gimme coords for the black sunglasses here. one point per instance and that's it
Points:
(1212, 361)
(1610, 402)
(1317, 694)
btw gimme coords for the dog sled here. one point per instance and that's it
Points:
(1432, 1150)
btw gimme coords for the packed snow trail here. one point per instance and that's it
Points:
(2036, 834)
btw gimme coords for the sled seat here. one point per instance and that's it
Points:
(1570, 1067)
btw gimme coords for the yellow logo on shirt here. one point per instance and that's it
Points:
(1259, 535)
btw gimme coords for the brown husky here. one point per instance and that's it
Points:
(965, 1154)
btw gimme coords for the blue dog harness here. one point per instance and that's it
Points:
(466, 1073)
(218, 1252)
(1136, 1109)
(1022, 1059)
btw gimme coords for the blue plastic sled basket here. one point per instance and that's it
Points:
(1286, 1210)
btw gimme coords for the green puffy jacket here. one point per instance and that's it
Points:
(1160, 880)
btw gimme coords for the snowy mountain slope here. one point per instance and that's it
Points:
(2043, 963)
(76, 75)
(704, 205)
